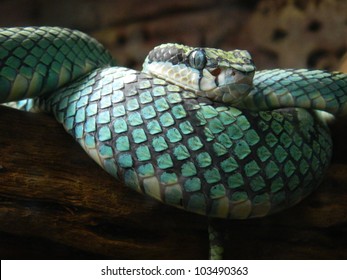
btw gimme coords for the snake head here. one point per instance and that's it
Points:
(223, 76)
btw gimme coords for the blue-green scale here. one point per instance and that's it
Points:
(235, 181)
(204, 159)
(125, 160)
(145, 97)
(209, 112)
(186, 127)
(188, 169)
(107, 89)
(154, 127)
(69, 123)
(90, 124)
(117, 96)
(168, 178)
(226, 118)
(181, 152)
(192, 184)
(194, 143)
(216, 126)
(132, 104)
(271, 140)
(243, 123)
(143, 153)
(295, 152)
(164, 161)
(229, 165)
(174, 98)
(271, 169)
(277, 184)
(148, 112)
(104, 133)
(95, 96)
(118, 111)
(158, 91)
(166, 119)
(80, 115)
(79, 131)
(280, 154)
(146, 170)
(120, 125)
(105, 151)
(257, 183)
(217, 191)
(144, 84)
(135, 119)
(83, 101)
(159, 144)
(122, 143)
(289, 168)
(251, 168)
(161, 104)
(242, 149)
(139, 135)
(90, 141)
(224, 139)
(276, 127)
(179, 112)
(252, 137)
(219, 149)
(117, 84)
(174, 135)
(92, 109)
(212, 175)
(71, 109)
(235, 132)
(103, 117)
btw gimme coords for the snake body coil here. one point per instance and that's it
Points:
(218, 146)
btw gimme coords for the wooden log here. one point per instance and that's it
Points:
(52, 193)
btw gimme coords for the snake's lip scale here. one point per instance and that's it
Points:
(263, 154)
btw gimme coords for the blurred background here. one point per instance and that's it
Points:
(278, 33)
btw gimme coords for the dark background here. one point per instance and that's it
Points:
(279, 33)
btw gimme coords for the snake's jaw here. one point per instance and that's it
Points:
(231, 86)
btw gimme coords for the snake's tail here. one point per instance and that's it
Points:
(38, 60)
(216, 235)
(310, 89)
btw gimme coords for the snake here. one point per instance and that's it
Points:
(197, 128)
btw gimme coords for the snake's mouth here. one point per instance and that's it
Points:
(231, 85)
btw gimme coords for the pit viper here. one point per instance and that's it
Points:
(198, 128)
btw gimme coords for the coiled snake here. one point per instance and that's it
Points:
(193, 129)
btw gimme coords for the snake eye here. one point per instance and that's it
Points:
(197, 59)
